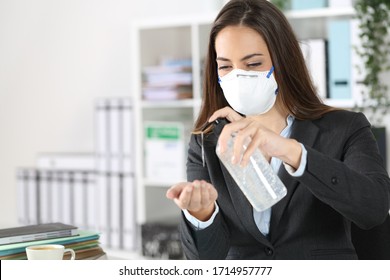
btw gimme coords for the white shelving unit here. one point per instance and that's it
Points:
(188, 37)
(179, 37)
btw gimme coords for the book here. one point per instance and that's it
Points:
(84, 235)
(36, 232)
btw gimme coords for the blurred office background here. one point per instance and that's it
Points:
(57, 58)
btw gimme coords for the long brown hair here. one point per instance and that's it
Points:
(296, 91)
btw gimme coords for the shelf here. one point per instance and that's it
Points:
(324, 13)
(171, 103)
(116, 254)
(340, 103)
(160, 184)
(169, 22)
(309, 24)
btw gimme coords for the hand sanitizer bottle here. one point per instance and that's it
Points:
(257, 180)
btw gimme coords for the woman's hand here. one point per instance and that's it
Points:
(270, 143)
(197, 197)
(227, 113)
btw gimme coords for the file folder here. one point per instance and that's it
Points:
(339, 53)
(315, 54)
(307, 4)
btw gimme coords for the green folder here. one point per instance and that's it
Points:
(21, 247)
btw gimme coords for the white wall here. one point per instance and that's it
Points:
(56, 57)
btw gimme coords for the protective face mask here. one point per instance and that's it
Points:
(250, 92)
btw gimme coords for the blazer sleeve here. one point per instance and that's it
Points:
(212, 242)
(357, 186)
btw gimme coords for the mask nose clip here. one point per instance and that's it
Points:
(247, 76)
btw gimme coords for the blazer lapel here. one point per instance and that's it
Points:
(243, 207)
(306, 133)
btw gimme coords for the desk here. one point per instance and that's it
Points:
(113, 254)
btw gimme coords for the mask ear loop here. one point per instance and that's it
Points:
(270, 72)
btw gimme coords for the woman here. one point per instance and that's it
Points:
(257, 85)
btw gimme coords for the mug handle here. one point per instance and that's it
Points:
(71, 252)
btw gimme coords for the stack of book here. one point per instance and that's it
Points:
(170, 80)
(13, 241)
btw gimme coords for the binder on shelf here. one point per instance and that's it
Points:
(128, 136)
(80, 200)
(22, 196)
(45, 201)
(67, 198)
(129, 224)
(114, 132)
(103, 211)
(315, 52)
(116, 210)
(56, 196)
(89, 178)
(308, 4)
(33, 196)
(114, 123)
(339, 53)
(101, 127)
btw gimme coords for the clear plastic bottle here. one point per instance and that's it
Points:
(257, 180)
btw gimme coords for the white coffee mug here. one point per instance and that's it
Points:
(48, 252)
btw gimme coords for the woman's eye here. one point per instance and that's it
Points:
(223, 67)
(254, 65)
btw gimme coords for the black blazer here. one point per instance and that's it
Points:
(344, 182)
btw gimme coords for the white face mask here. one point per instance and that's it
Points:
(250, 92)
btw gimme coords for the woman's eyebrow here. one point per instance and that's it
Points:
(222, 58)
(250, 56)
(242, 59)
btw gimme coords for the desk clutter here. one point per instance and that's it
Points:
(85, 243)
(161, 241)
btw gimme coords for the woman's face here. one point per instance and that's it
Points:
(240, 47)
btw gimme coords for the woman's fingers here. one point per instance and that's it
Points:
(175, 190)
(195, 196)
(227, 113)
(184, 198)
(251, 134)
(229, 129)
